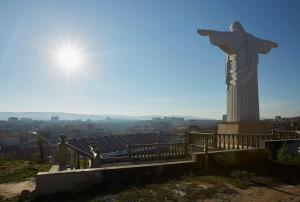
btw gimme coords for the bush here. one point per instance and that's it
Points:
(283, 155)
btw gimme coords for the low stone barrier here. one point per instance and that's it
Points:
(67, 181)
(74, 180)
(231, 158)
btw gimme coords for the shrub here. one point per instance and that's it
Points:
(283, 155)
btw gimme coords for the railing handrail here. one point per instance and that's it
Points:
(286, 131)
(201, 146)
(79, 150)
(132, 145)
(157, 150)
(248, 134)
(200, 133)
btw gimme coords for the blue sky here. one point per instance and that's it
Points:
(142, 57)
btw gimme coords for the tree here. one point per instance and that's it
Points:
(41, 139)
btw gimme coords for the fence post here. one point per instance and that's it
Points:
(187, 141)
(215, 139)
(206, 155)
(78, 161)
(159, 150)
(187, 136)
(85, 161)
(219, 139)
(129, 150)
(185, 148)
(273, 134)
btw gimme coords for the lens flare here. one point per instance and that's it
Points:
(69, 57)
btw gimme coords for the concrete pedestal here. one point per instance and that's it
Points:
(245, 127)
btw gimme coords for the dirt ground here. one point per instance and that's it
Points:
(270, 182)
(285, 193)
(9, 190)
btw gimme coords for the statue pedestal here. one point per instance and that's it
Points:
(245, 127)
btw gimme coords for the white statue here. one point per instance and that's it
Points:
(241, 50)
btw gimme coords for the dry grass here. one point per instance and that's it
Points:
(18, 170)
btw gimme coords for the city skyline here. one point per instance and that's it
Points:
(140, 58)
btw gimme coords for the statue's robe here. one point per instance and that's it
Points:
(241, 51)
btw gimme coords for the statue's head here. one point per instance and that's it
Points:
(236, 26)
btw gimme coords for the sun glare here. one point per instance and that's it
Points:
(69, 57)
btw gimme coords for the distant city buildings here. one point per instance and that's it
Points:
(13, 119)
(54, 118)
(24, 119)
(171, 120)
(10, 141)
(290, 123)
(20, 134)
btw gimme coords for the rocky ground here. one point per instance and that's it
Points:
(265, 182)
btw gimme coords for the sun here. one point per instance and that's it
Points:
(69, 57)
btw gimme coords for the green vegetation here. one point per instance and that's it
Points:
(284, 157)
(18, 170)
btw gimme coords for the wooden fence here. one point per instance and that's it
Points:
(158, 151)
(241, 141)
(285, 134)
(238, 141)
(207, 141)
(202, 139)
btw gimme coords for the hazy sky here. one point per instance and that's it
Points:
(142, 57)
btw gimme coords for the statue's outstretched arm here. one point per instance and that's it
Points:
(265, 46)
(273, 44)
(203, 32)
(229, 42)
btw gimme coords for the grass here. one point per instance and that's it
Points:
(284, 157)
(18, 170)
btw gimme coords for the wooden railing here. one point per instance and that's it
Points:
(238, 141)
(157, 151)
(202, 139)
(207, 141)
(285, 134)
(76, 157)
(241, 141)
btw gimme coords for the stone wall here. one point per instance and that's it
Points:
(231, 158)
(67, 181)
(74, 180)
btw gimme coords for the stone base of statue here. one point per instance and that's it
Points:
(245, 127)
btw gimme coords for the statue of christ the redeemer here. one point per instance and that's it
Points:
(241, 50)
